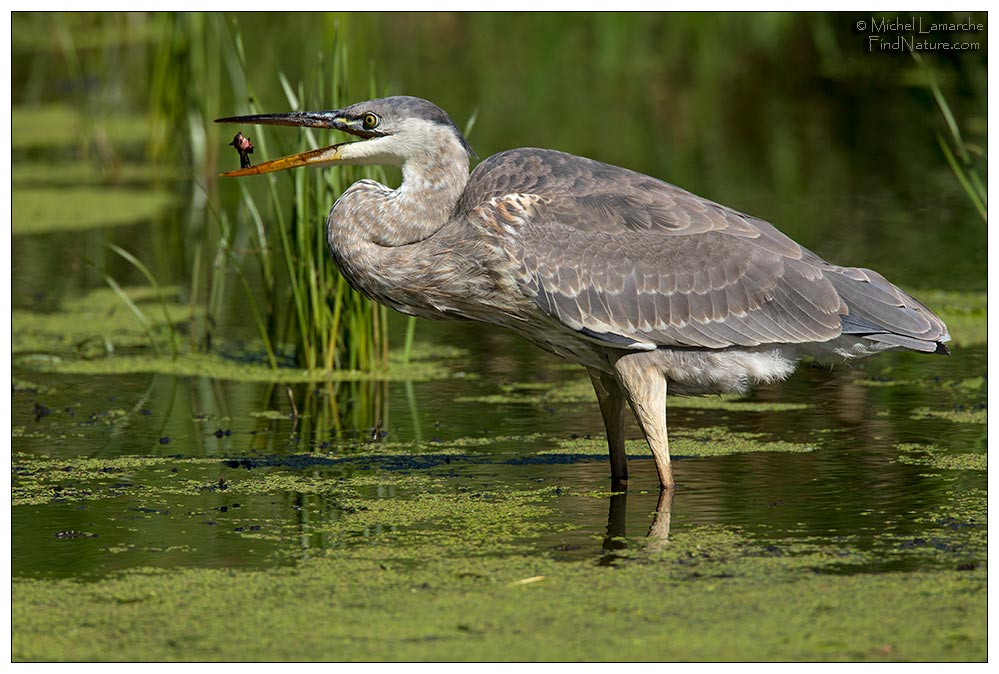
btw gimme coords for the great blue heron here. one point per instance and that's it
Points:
(647, 286)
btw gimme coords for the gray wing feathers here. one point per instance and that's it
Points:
(698, 291)
(627, 259)
(881, 312)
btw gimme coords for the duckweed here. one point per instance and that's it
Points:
(581, 391)
(61, 125)
(216, 366)
(959, 416)
(701, 442)
(91, 326)
(84, 173)
(38, 210)
(418, 566)
(87, 334)
(41, 479)
(467, 549)
(707, 596)
(965, 314)
(931, 455)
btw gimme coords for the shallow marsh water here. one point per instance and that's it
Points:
(158, 514)
(457, 507)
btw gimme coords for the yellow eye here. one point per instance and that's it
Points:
(370, 121)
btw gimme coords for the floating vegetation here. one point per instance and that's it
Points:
(423, 602)
(93, 325)
(78, 174)
(959, 415)
(216, 366)
(701, 442)
(965, 314)
(467, 523)
(59, 125)
(426, 559)
(963, 508)
(581, 391)
(19, 385)
(40, 479)
(720, 441)
(970, 384)
(733, 403)
(962, 386)
(88, 335)
(537, 393)
(39, 210)
(955, 531)
(931, 455)
(474, 547)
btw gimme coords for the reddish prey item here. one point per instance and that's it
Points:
(244, 147)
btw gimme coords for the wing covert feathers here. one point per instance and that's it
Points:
(628, 260)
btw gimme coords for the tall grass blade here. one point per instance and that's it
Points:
(156, 288)
(963, 178)
(141, 317)
(959, 156)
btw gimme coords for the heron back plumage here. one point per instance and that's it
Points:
(625, 259)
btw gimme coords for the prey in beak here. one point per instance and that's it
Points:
(244, 147)
(362, 126)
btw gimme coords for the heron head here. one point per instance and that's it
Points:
(390, 130)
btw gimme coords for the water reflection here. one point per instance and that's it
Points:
(323, 412)
(616, 537)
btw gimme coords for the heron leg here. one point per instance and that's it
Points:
(645, 389)
(612, 406)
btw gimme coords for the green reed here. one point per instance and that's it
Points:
(959, 153)
(330, 325)
(274, 237)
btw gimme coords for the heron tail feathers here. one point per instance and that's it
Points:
(880, 312)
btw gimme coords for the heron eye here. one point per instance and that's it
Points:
(370, 121)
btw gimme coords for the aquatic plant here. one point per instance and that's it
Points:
(959, 153)
(273, 237)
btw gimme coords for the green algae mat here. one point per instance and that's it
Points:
(708, 597)
(506, 547)
(452, 557)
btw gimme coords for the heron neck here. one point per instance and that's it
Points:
(424, 201)
(386, 242)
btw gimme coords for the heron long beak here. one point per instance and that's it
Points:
(328, 119)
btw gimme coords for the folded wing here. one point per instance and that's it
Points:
(628, 260)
